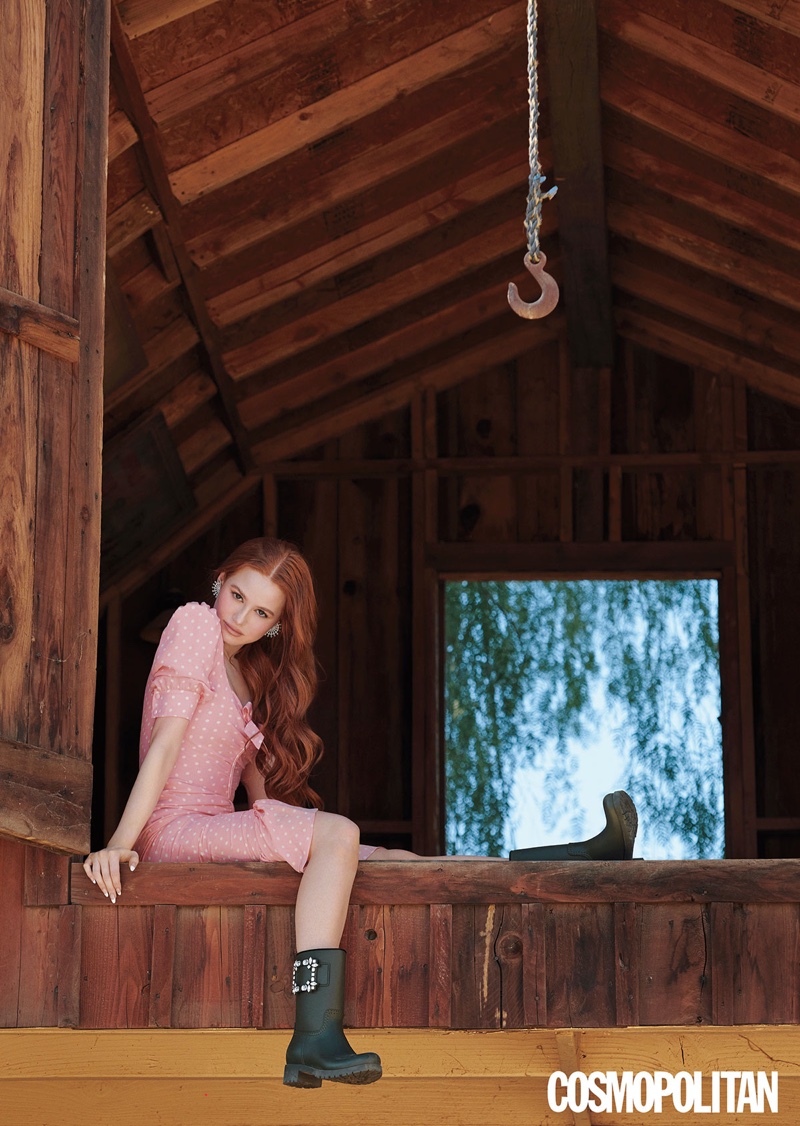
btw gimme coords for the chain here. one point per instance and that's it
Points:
(533, 213)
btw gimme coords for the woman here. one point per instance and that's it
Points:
(226, 701)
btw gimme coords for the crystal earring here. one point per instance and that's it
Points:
(216, 587)
(276, 629)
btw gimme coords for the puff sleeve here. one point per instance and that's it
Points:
(183, 662)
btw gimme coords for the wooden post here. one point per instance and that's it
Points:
(53, 131)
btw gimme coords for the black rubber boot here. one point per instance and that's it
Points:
(319, 1049)
(614, 843)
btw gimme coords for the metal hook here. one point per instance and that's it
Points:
(549, 298)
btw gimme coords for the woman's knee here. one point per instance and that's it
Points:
(332, 831)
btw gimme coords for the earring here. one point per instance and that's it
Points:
(216, 587)
(276, 629)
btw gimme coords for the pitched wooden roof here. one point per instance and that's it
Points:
(316, 205)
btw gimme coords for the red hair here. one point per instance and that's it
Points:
(281, 672)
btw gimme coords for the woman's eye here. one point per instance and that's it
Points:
(236, 594)
(262, 614)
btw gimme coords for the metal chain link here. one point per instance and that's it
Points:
(533, 213)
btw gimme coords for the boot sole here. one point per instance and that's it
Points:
(297, 1075)
(629, 820)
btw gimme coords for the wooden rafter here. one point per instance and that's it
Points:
(131, 91)
(661, 40)
(465, 361)
(670, 336)
(349, 311)
(306, 126)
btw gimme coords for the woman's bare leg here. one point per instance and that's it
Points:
(324, 891)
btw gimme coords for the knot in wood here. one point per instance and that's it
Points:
(510, 946)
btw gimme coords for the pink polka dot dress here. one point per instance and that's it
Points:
(194, 819)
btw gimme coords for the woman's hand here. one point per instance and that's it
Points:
(102, 868)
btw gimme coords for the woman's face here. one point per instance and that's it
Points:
(248, 605)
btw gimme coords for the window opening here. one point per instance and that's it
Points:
(557, 692)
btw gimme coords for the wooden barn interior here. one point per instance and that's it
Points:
(311, 213)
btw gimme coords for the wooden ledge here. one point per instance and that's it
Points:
(455, 881)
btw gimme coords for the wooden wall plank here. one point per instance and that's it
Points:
(99, 971)
(38, 980)
(580, 969)
(673, 962)
(12, 880)
(51, 628)
(68, 1005)
(207, 974)
(534, 954)
(279, 1007)
(253, 966)
(22, 66)
(162, 966)
(441, 965)
(627, 925)
(46, 878)
(510, 957)
(767, 986)
(407, 971)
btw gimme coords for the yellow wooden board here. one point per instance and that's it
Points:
(232, 1077)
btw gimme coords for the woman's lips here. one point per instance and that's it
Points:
(230, 629)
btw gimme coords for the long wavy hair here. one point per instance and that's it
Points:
(281, 672)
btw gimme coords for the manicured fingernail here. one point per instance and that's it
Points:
(105, 893)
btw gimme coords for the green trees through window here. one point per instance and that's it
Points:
(586, 686)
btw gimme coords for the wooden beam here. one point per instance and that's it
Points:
(730, 312)
(40, 326)
(739, 269)
(142, 16)
(121, 134)
(785, 15)
(570, 34)
(174, 341)
(443, 881)
(140, 214)
(674, 46)
(230, 232)
(305, 468)
(322, 263)
(312, 123)
(470, 1077)
(739, 210)
(167, 550)
(203, 445)
(335, 420)
(732, 30)
(444, 324)
(702, 135)
(584, 559)
(671, 337)
(190, 394)
(45, 798)
(131, 92)
(329, 48)
(349, 311)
